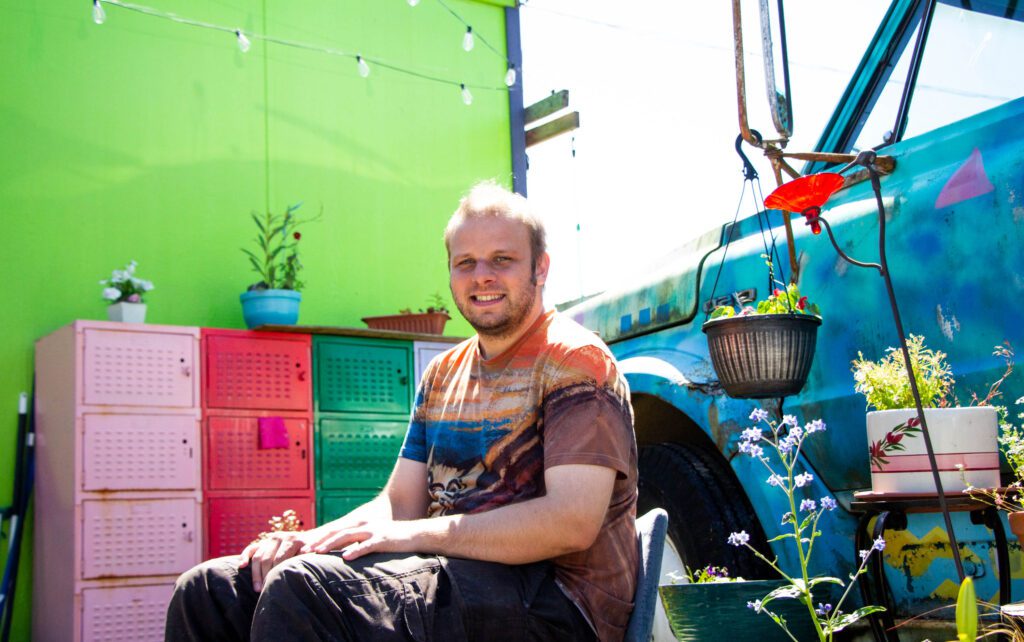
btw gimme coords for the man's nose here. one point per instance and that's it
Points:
(483, 272)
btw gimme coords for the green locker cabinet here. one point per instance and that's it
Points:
(362, 395)
(363, 375)
(357, 452)
(333, 504)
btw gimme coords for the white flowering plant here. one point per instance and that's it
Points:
(708, 575)
(786, 438)
(124, 287)
(1011, 443)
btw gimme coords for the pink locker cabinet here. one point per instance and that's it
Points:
(152, 451)
(124, 612)
(118, 477)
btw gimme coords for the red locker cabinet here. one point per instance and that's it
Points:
(235, 521)
(256, 370)
(251, 474)
(236, 462)
(118, 478)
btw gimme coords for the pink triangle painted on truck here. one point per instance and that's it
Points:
(966, 182)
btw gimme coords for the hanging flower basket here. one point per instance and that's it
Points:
(762, 356)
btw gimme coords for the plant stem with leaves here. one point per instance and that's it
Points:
(277, 256)
(786, 438)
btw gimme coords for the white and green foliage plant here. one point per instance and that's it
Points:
(886, 386)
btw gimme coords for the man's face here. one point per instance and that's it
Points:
(491, 278)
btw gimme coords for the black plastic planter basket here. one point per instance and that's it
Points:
(764, 355)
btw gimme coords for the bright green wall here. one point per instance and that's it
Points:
(149, 140)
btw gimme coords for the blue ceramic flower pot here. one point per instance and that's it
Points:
(263, 307)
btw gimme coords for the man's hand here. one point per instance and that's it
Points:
(264, 554)
(379, 536)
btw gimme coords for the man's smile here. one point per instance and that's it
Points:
(486, 299)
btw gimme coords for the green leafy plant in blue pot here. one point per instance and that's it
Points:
(274, 299)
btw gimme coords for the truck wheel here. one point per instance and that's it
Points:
(705, 503)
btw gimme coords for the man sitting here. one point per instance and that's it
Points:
(510, 512)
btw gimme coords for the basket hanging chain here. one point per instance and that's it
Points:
(750, 176)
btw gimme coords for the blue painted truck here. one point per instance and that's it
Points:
(955, 238)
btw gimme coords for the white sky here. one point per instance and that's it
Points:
(654, 83)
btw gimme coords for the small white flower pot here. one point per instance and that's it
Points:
(127, 312)
(964, 436)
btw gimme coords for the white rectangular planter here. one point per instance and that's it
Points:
(128, 312)
(960, 437)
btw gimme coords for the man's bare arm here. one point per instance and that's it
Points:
(566, 519)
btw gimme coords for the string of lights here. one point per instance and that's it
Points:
(364, 64)
(469, 40)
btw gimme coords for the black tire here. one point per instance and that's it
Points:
(705, 503)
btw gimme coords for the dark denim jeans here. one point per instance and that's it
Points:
(378, 597)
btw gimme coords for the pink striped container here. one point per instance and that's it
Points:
(964, 441)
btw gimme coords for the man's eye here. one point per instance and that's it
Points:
(465, 264)
(502, 259)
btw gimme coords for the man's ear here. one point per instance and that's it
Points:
(540, 273)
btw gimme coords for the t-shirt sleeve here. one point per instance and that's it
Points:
(415, 445)
(586, 413)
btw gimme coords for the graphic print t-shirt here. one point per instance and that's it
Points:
(488, 428)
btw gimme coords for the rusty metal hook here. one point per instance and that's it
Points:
(749, 173)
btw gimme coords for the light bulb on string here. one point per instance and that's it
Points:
(99, 16)
(364, 69)
(510, 75)
(467, 40)
(467, 97)
(243, 42)
(413, 3)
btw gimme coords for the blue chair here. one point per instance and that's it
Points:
(650, 531)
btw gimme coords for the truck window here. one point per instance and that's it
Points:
(970, 64)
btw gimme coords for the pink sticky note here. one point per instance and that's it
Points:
(273, 433)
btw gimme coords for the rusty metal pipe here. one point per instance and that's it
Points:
(741, 83)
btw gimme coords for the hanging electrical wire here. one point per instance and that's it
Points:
(244, 41)
(469, 40)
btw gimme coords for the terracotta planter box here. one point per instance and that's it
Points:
(426, 323)
(1017, 525)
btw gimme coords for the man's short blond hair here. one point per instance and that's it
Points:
(487, 198)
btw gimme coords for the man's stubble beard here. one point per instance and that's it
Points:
(507, 325)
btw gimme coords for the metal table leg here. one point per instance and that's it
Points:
(884, 596)
(990, 518)
(876, 590)
(861, 542)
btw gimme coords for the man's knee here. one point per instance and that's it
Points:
(201, 578)
(213, 600)
(296, 576)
